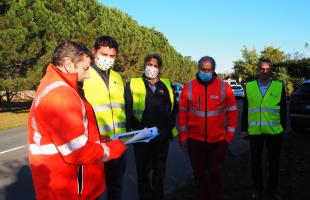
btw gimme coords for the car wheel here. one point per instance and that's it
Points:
(297, 127)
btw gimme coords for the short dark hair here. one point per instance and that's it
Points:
(264, 60)
(207, 58)
(105, 41)
(72, 50)
(153, 56)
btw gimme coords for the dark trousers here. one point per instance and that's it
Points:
(273, 143)
(114, 172)
(151, 165)
(207, 161)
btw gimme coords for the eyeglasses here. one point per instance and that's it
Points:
(264, 69)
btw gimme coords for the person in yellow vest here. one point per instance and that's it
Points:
(264, 121)
(105, 92)
(150, 103)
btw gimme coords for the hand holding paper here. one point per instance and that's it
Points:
(117, 148)
(144, 135)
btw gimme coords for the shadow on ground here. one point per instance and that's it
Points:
(22, 186)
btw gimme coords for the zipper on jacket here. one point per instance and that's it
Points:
(112, 113)
(80, 180)
(199, 108)
(206, 110)
(108, 86)
(260, 106)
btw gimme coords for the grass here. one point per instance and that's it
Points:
(12, 119)
(294, 173)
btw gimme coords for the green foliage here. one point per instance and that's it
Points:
(298, 70)
(31, 29)
(291, 71)
(246, 68)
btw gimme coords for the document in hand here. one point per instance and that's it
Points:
(144, 135)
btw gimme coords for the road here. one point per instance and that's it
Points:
(15, 175)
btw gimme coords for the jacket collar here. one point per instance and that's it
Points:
(70, 79)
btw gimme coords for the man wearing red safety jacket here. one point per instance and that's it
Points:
(207, 122)
(65, 154)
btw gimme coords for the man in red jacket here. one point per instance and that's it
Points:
(65, 154)
(208, 119)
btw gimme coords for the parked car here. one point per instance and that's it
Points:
(299, 108)
(238, 91)
(231, 82)
(177, 89)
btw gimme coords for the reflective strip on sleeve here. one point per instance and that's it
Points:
(64, 149)
(181, 108)
(231, 129)
(85, 119)
(37, 136)
(223, 91)
(73, 145)
(190, 92)
(231, 108)
(48, 149)
(47, 90)
(106, 153)
(183, 128)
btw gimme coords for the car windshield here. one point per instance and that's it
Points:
(177, 87)
(303, 89)
(236, 87)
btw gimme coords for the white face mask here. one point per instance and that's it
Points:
(151, 72)
(104, 63)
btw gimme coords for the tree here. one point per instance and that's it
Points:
(245, 68)
(31, 29)
(291, 70)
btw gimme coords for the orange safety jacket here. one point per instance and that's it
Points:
(64, 141)
(207, 112)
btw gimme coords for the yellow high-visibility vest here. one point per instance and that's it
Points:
(108, 103)
(138, 92)
(264, 111)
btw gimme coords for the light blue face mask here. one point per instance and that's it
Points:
(205, 76)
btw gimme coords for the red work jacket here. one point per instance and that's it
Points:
(64, 141)
(207, 112)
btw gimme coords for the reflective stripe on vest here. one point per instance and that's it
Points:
(108, 103)
(50, 149)
(264, 111)
(107, 128)
(138, 92)
(212, 113)
(102, 108)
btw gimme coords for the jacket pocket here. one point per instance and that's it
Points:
(80, 180)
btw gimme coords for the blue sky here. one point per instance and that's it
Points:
(221, 28)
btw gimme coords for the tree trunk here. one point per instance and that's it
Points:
(9, 97)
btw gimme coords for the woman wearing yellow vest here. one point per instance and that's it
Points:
(264, 121)
(150, 103)
(105, 92)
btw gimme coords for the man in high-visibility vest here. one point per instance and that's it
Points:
(105, 92)
(207, 123)
(264, 121)
(65, 154)
(150, 103)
